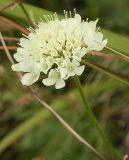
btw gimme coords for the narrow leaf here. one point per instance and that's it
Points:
(111, 73)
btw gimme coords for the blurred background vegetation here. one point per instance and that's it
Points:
(31, 133)
(112, 14)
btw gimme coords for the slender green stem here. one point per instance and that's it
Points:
(94, 122)
(26, 13)
(123, 56)
(120, 77)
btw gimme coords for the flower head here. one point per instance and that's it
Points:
(56, 48)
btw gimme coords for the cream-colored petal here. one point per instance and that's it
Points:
(63, 72)
(22, 66)
(99, 47)
(75, 63)
(19, 57)
(83, 51)
(29, 78)
(79, 70)
(60, 83)
(49, 81)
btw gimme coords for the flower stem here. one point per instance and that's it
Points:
(26, 14)
(94, 122)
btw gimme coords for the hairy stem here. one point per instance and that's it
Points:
(94, 122)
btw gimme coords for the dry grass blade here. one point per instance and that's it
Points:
(126, 157)
(5, 21)
(121, 55)
(10, 5)
(53, 112)
(9, 47)
(10, 38)
(61, 120)
(107, 55)
(121, 77)
(6, 50)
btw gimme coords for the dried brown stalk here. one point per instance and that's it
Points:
(9, 47)
(4, 20)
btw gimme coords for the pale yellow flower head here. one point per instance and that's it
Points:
(56, 48)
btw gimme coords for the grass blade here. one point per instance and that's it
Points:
(118, 76)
